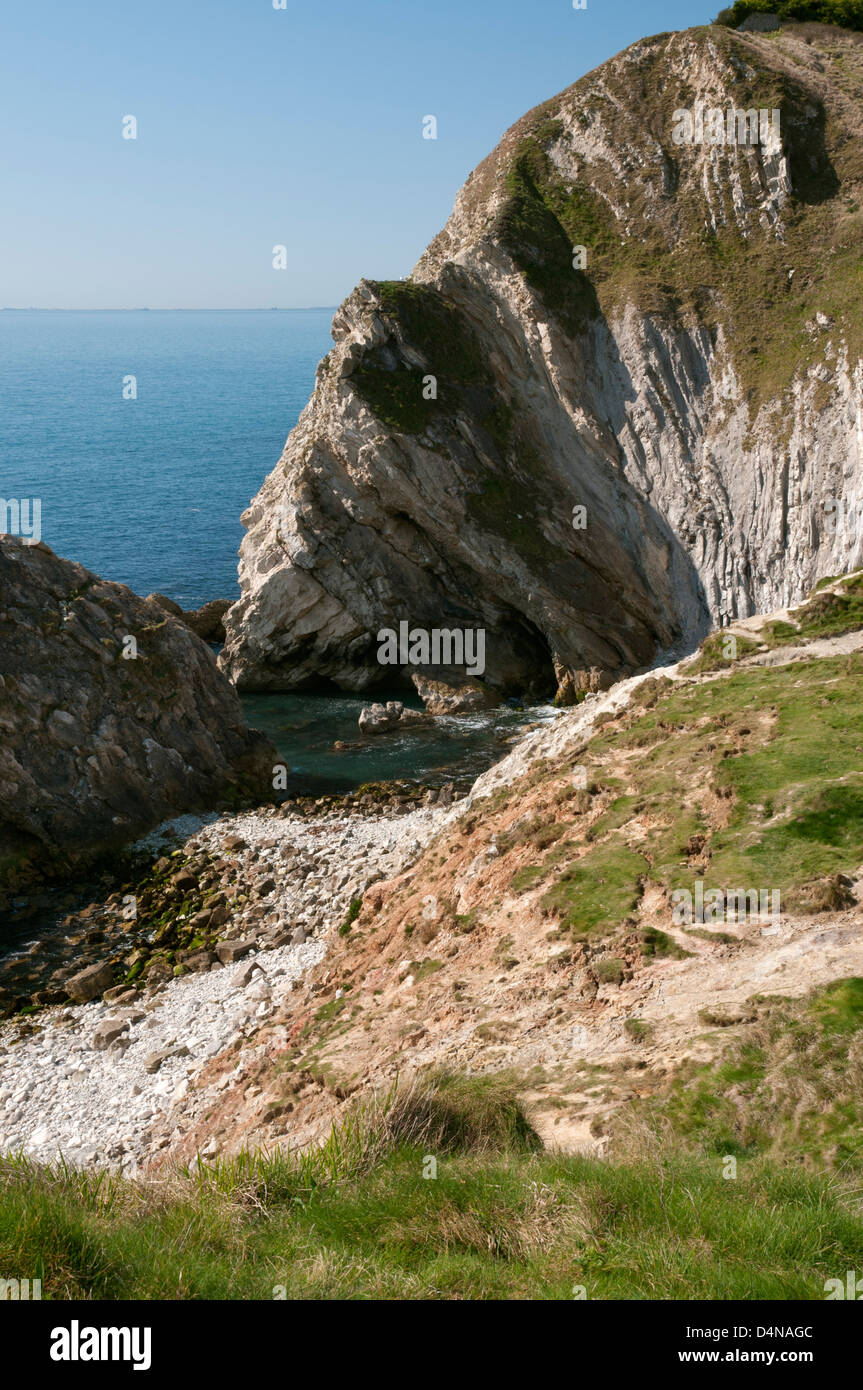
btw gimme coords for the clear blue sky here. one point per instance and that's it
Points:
(259, 127)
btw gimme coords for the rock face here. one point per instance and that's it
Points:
(614, 403)
(99, 746)
(90, 983)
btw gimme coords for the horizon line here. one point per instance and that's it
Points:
(175, 309)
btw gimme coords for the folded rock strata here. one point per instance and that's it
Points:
(695, 388)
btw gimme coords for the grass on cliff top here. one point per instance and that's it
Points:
(847, 14)
(368, 1217)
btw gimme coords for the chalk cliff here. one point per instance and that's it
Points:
(692, 380)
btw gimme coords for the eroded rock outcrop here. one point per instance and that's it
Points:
(381, 719)
(593, 457)
(207, 622)
(113, 715)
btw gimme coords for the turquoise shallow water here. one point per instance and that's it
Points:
(149, 491)
(305, 727)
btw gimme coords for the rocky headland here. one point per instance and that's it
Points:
(613, 404)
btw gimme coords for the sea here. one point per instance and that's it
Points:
(145, 434)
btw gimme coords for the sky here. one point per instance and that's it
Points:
(259, 127)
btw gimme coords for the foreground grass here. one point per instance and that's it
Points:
(511, 1228)
(364, 1219)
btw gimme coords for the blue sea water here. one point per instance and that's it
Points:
(149, 491)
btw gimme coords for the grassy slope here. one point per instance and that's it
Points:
(787, 1086)
(499, 1220)
(752, 781)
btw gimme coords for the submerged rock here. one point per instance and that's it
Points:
(376, 719)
